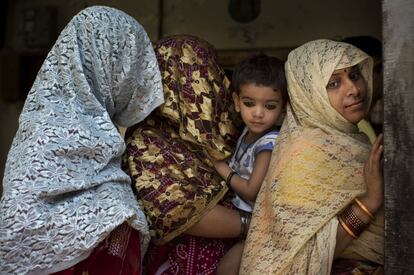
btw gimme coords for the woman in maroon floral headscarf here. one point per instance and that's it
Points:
(170, 158)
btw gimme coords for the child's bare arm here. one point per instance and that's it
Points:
(222, 168)
(247, 189)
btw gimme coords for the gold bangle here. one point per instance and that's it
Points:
(346, 228)
(364, 208)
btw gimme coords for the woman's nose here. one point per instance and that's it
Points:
(353, 89)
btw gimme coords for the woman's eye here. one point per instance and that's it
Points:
(354, 76)
(248, 103)
(332, 84)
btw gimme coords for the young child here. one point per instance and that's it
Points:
(260, 96)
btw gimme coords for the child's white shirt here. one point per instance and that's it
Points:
(242, 161)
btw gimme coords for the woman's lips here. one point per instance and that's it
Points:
(356, 105)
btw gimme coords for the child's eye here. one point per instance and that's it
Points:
(248, 103)
(332, 84)
(270, 106)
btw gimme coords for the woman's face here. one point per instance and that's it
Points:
(347, 93)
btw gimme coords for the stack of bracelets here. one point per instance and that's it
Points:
(351, 223)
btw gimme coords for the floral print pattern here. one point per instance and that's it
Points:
(169, 154)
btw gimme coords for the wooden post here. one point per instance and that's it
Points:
(398, 37)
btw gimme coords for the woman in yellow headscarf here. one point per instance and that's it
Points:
(321, 198)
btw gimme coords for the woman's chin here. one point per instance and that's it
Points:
(355, 119)
(355, 116)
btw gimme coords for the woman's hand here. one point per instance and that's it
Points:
(372, 199)
(373, 176)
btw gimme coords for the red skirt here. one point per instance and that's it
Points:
(119, 253)
(186, 255)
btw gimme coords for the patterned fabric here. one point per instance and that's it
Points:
(118, 254)
(244, 158)
(169, 154)
(354, 267)
(315, 171)
(64, 189)
(186, 255)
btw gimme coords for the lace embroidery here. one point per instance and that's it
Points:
(315, 171)
(64, 190)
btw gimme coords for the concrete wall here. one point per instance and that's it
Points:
(280, 23)
(145, 11)
(399, 136)
(280, 26)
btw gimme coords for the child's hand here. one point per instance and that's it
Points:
(373, 175)
(222, 168)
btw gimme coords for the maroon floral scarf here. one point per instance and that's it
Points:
(169, 155)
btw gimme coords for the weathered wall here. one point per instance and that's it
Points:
(399, 135)
(280, 23)
(280, 26)
(145, 11)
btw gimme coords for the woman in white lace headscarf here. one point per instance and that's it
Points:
(64, 190)
(324, 185)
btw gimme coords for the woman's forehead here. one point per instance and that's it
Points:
(345, 70)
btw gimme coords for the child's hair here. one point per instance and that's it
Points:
(261, 70)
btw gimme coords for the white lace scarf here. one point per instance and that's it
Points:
(64, 189)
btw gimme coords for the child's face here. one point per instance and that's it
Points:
(259, 106)
(347, 93)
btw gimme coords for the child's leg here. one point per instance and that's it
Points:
(230, 263)
(219, 222)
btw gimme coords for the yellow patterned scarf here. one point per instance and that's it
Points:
(315, 171)
(169, 154)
